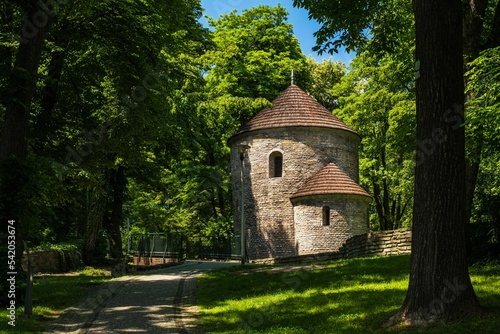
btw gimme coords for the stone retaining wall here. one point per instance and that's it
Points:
(53, 261)
(383, 243)
(395, 242)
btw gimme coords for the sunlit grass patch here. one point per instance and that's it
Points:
(486, 281)
(305, 300)
(51, 296)
(352, 296)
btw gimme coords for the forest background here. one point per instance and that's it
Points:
(124, 109)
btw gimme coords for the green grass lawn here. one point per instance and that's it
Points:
(350, 296)
(52, 295)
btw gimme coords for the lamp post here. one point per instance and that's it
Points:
(241, 150)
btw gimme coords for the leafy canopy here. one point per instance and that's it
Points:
(254, 55)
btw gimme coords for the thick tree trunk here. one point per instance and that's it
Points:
(23, 83)
(439, 286)
(14, 134)
(6, 52)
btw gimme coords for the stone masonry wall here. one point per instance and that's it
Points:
(348, 217)
(384, 243)
(268, 209)
(395, 242)
(53, 261)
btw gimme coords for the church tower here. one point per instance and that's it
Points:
(300, 179)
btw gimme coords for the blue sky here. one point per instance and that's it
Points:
(303, 27)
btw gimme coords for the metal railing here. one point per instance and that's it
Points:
(171, 245)
(157, 245)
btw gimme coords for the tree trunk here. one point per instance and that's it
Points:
(494, 36)
(222, 206)
(472, 172)
(402, 210)
(378, 205)
(213, 203)
(397, 224)
(45, 124)
(23, 76)
(94, 210)
(6, 52)
(473, 29)
(14, 134)
(387, 211)
(439, 286)
(112, 224)
(394, 209)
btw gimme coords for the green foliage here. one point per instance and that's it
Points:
(75, 245)
(93, 272)
(483, 85)
(483, 131)
(249, 62)
(324, 76)
(387, 30)
(382, 26)
(254, 55)
(486, 207)
(103, 103)
(377, 103)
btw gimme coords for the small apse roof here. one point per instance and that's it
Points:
(294, 108)
(330, 180)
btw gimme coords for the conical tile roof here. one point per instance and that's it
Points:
(293, 108)
(330, 180)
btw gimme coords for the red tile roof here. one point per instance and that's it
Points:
(328, 181)
(294, 107)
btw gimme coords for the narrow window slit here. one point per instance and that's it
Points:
(326, 216)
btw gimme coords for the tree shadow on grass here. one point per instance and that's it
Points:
(355, 296)
(358, 311)
(227, 284)
(347, 296)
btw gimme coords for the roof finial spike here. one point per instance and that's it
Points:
(293, 76)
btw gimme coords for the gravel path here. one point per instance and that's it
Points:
(160, 301)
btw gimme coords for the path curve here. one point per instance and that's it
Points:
(158, 301)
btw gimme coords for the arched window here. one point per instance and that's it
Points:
(326, 216)
(276, 164)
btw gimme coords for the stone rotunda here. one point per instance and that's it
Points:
(300, 179)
